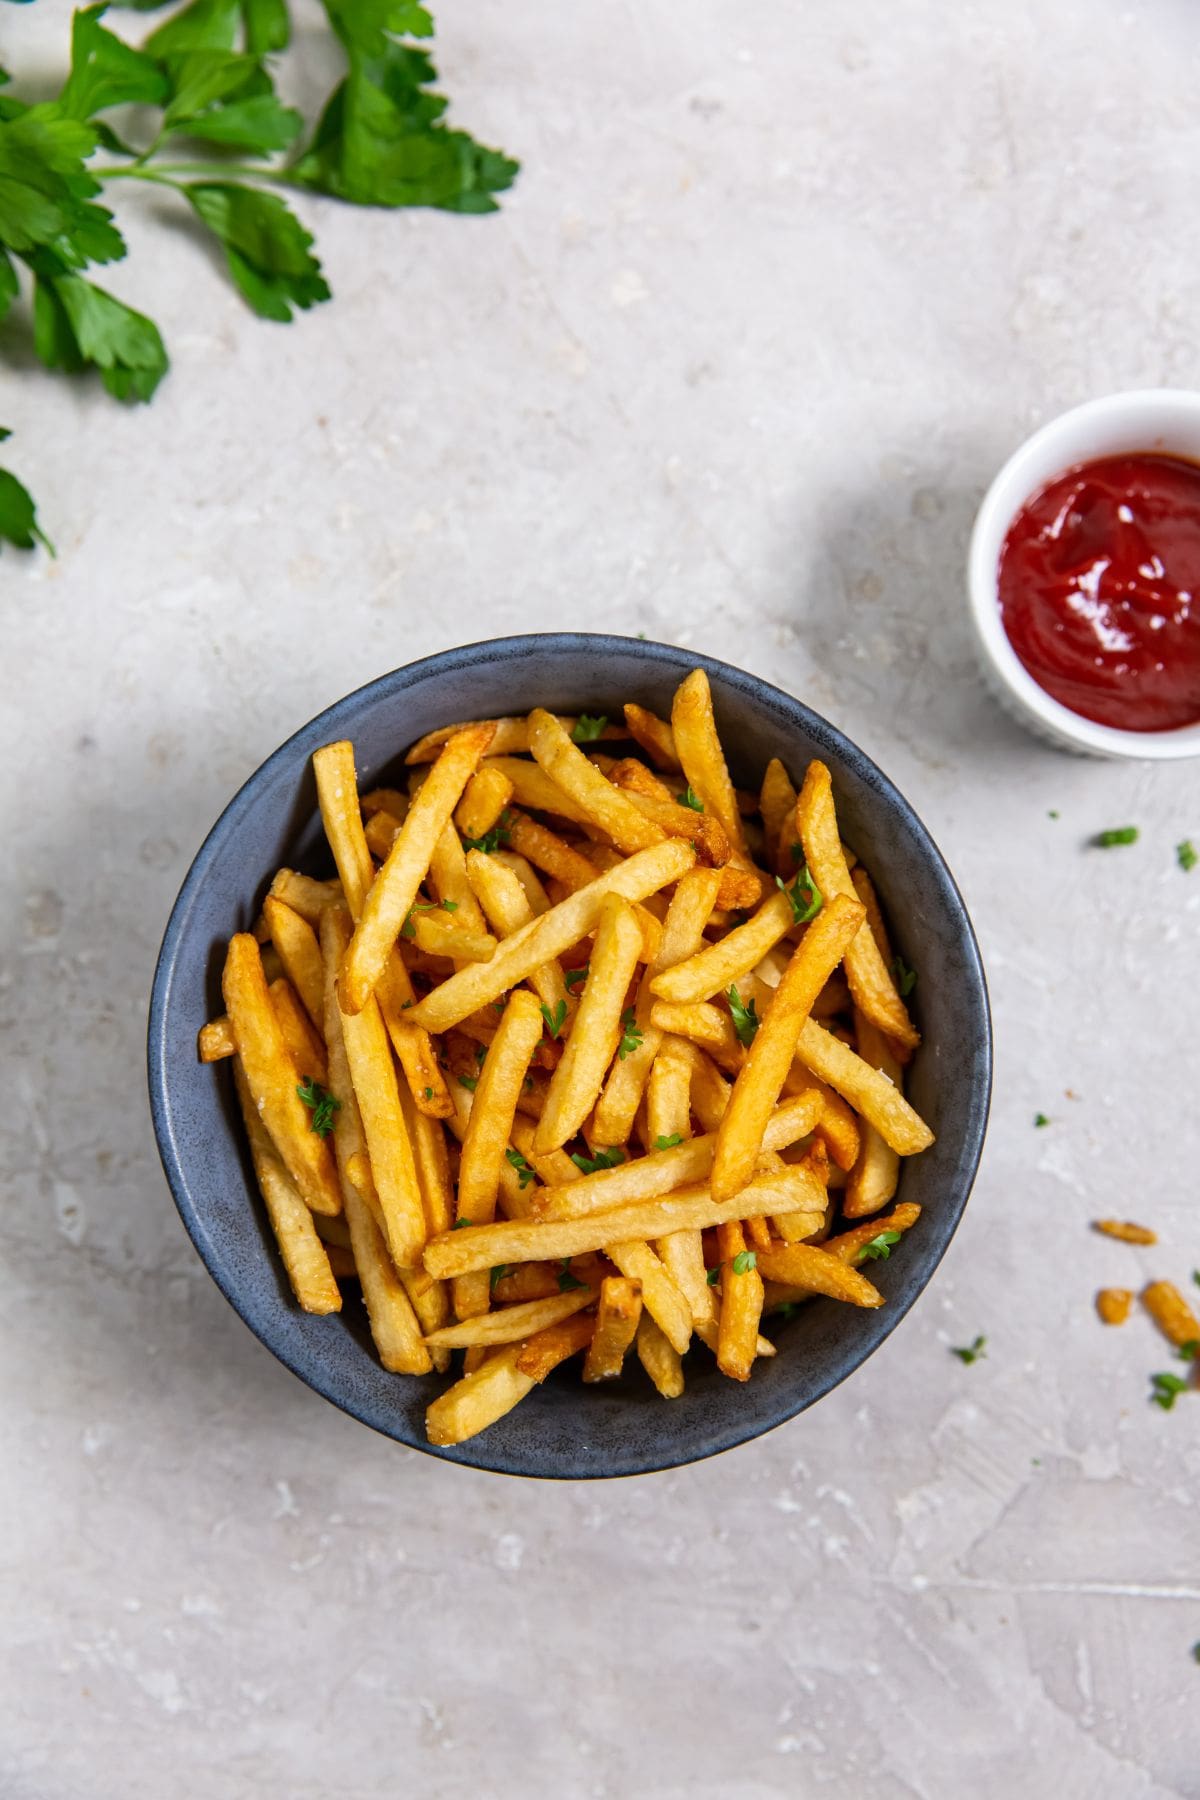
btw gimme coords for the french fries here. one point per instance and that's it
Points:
(538, 1084)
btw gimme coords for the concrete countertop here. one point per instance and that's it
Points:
(776, 291)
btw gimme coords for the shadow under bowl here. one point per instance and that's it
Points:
(562, 1429)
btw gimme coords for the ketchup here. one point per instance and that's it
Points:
(1100, 591)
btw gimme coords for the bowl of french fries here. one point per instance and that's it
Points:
(570, 1055)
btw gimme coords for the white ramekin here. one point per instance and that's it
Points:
(1156, 419)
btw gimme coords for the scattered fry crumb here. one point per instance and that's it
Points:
(1126, 1231)
(1113, 1305)
(1171, 1312)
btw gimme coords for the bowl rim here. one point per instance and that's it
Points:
(327, 722)
(1007, 493)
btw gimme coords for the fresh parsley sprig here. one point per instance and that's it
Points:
(587, 729)
(668, 1143)
(880, 1248)
(745, 1018)
(222, 144)
(321, 1104)
(525, 1171)
(600, 1159)
(556, 1018)
(575, 978)
(805, 896)
(631, 1037)
(744, 1261)
(690, 797)
(491, 840)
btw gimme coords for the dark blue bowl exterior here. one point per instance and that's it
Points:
(562, 1430)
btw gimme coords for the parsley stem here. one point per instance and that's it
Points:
(204, 171)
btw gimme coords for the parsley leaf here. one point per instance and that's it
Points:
(461, 1224)
(1119, 834)
(1186, 856)
(668, 1143)
(105, 71)
(76, 323)
(1052, 815)
(744, 1261)
(971, 1352)
(497, 1274)
(470, 1082)
(805, 896)
(787, 1310)
(1040, 1119)
(567, 1281)
(690, 798)
(1188, 1350)
(745, 1018)
(18, 514)
(1167, 1388)
(266, 248)
(587, 730)
(321, 1104)
(880, 1248)
(491, 840)
(557, 1019)
(713, 1276)
(525, 1171)
(906, 978)
(576, 977)
(631, 1037)
(602, 1159)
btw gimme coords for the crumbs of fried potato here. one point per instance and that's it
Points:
(1126, 1231)
(1113, 1305)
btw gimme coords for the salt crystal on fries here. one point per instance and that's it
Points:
(525, 876)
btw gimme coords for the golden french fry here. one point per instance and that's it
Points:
(430, 1154)
(393, 1166)
(718, 966)
(1171, 1313)
(304, 895)
(273, 1078)
(1114, 1304)
(533, 787)
(777, 804)
(304, 1255)
(635, 778)
(682, 934)
(522, 868)
(703, 1024)
(838, 1123)
(507, 909)
(394, 1324)
(741, 1303)
(512, 1324)
(216, 1040)
(660, 1296)
(703, 761)
(485, 797)
(337, 795)
(388, 799)
(1126, 1231)
(654, 735)
(864, 887)
(597, 1031)
(450, 883)
(331, 1230)
(659, 1357)
(682, 1254)
(296, 942)
(595, 799)
(876, 1172)
(710, 1090)
(550, 853)
(849, 1245)
(439, 933)
(304, 1042)
(550, 935)
(870, 978)
(791, 1190)
(617, 1318)
(664, 1171)
(760, 1080)
(869, 1092)
(553, 1167)
(668, 1097)
(704, 833)
(546, 1349)
(491, 1122)
(380, 833)
(511, 736)
(341, 1261)
(816, 1268)
(479, 1399)
(395, 888)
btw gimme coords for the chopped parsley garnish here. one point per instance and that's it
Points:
(1167, 1388)
(409, 930)
(497, 1275)
(1188, 1350)
(1052, 815)
(1186, 855)
(805, 896)
(576, 977)
(745, 1018)
(602, 1159)
(491, 840)
(322, 1105)
(880, 1248)
(631, 1037)
(668, 1143)
(788, 1310)
(459, 1224)
(713, 1276)
(429, 1093)
(1117, 834)
(969, 1353)
(525, 1171)
(906, 978)
(481, 1054)
(470, 1082)
(587, 729)
(567, 1281)
(744, 1261)
(690, 797)
(1196, 1276)
(555, 1020)
(1040, 1119)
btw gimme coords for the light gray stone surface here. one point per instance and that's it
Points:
(778, 288)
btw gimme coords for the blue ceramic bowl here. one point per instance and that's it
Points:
(562, 1429)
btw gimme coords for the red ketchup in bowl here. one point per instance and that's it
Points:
(1100, 591)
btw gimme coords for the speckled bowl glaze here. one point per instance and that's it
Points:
(563, 1429)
